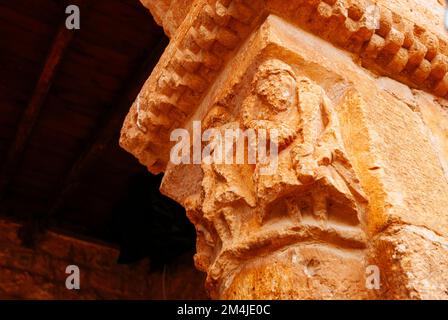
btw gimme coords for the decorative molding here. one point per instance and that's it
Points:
(214, 29)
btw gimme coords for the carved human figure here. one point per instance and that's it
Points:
(214, 212)
(313, 168)
(312, 156)
(273, 103)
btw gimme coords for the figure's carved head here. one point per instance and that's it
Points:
(275, 83)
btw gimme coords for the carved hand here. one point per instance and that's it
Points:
(285, 134)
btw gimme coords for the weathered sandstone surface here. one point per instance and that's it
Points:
(357, 91)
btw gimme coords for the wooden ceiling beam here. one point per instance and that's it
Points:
(31, 113)
(109, 129)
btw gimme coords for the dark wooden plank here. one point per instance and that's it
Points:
(35, 26)
(31, 113)
(94, 92)
(73, 102)
(79, 57)
(64, 115)
(42, 10)
(101, 54)
(30, 47)
(79, 72)
(108, 131)
(47, 158)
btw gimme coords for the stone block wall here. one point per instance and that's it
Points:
(39, 273)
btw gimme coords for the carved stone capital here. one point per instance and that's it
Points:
(347, 93)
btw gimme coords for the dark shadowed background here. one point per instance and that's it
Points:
(63, 97)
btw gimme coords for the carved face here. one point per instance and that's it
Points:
(276, 85)
(273, 103)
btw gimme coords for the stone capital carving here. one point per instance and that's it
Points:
(312, 196)
(350, 91)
